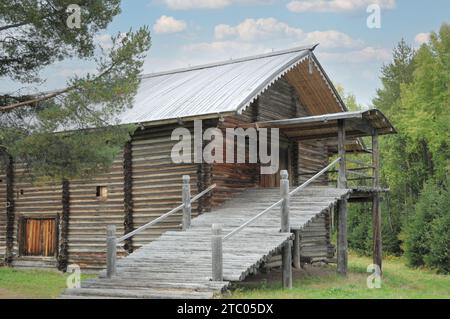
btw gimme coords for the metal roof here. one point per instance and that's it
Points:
(212, 89)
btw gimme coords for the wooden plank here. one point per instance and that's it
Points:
(376, 207)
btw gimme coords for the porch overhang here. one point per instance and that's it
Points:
(356, 124)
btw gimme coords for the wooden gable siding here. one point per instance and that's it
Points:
(90, 215)
(157, 182)
(33, 201)
(2, 216)
(278, 102)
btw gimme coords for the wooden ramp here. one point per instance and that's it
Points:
(178, 264)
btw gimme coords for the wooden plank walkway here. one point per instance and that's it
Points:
(178, 264)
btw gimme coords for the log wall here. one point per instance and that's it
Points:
(157, 182)
(89, 216)
(33, 200)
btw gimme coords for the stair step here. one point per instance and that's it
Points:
(178, 264)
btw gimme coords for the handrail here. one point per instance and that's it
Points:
(312, 179)
(155, 221)
(295, 191)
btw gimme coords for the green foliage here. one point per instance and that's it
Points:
(418, 230)
(34, 34)
(426, 238)
(84, 114)
(439, 255)
(415, 97)
(360, 229)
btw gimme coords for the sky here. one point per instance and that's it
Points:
(191, 32)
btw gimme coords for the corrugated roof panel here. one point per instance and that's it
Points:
(218, 88)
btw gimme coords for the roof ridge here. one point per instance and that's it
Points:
(227, 62)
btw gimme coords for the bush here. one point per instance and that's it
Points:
(360, 230)
(426, 238)
(439, 255)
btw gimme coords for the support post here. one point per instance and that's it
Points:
(286, 228)
(342, 241)
(63, 255)
(111, 251)
(217, 252)
(376, 208)
(296, 255)
(10, 211)
(342, 178)
(186, 202)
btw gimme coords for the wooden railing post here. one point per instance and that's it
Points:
(286, 228)
(186, 202)
(342, 250)
(284, 191)
(217, 252)
(111, 251)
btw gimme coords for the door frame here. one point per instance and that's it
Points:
(21, 231)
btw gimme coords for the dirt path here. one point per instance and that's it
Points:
(6, 294)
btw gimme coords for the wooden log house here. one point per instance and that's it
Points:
(65, 223)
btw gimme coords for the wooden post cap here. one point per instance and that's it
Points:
(186, 179)
(284, 174)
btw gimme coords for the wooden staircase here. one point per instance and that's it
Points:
(178, 264)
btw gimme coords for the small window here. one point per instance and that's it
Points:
(102, 192)
(21, 192)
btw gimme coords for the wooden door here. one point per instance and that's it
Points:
(270, 181)
(39, 237)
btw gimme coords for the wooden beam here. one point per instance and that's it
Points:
(296, 250)
(376, 208)
(63, 254)
(217, 252)
(186, 196)
(10, 211)
(342, 251)
(128, 195)
(342, 178)
(111, 251)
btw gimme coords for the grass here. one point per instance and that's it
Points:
(15, 283)
(316, 282)
(398, 282)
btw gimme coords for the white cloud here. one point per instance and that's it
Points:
(422, 38)
(331, 39)
(267, 29)
(223, 50)
(167, 24)
(336, 5)
(200, 4)
(208, 4)
(364, 55)
(254, 29)
(103, 40)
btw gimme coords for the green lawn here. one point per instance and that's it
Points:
(15, 283)
(321, 282)
(314, 282)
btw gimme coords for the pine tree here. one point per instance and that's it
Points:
(70, 132)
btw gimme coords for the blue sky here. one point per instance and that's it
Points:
(191, 32)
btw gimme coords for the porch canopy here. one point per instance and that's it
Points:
(356, 124)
